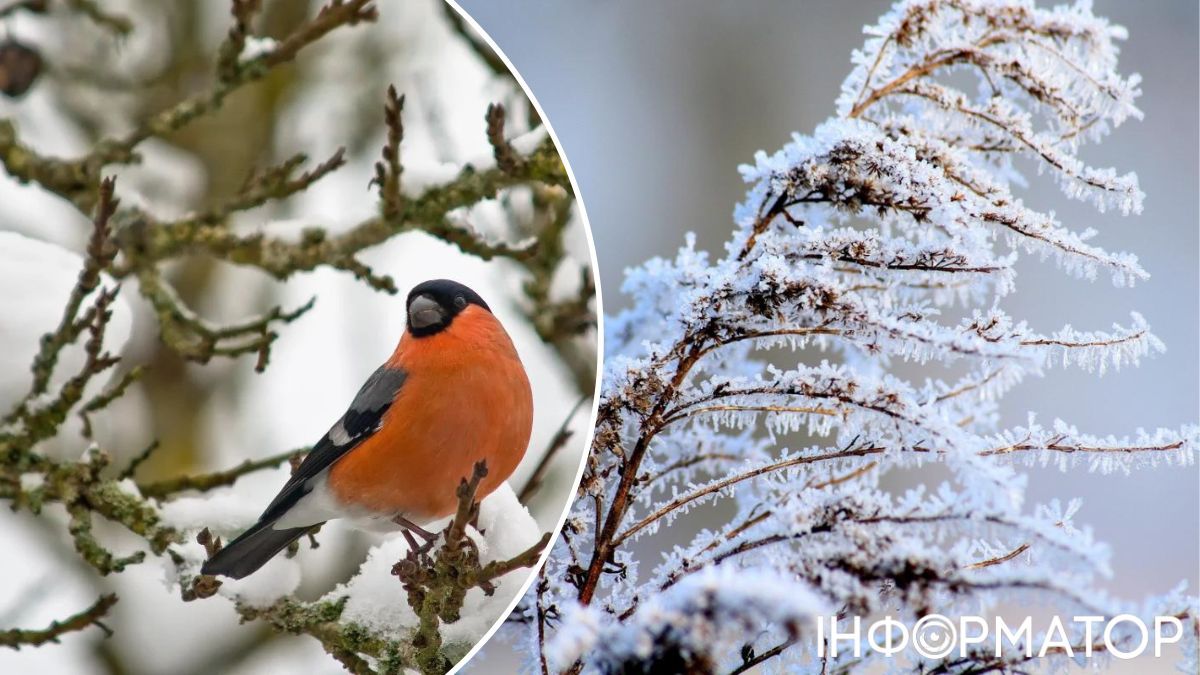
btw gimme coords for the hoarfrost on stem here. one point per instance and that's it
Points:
(888, 235)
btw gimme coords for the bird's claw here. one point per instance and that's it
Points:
(410, 529)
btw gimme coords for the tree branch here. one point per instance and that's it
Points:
(17, 638)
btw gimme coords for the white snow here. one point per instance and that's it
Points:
(378, 602)
(257, 46)
(224, 512)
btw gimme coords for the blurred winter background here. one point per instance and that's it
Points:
(214, 416)
(657, 104)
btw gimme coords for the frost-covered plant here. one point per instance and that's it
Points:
(888, 236)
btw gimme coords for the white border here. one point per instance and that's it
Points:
(587, 226)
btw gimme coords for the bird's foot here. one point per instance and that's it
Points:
(410, 529)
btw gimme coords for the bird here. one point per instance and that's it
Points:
(453, 392)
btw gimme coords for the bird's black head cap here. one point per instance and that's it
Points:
(433, 304)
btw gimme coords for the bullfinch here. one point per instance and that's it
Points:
(453, 392)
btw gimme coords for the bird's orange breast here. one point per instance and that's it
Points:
(466, 398)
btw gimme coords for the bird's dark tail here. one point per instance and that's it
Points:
(250, 551)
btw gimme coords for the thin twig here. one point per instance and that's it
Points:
(17, 638)
(203, 482)
(557, 442)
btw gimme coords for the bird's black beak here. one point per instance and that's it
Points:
(424, 312)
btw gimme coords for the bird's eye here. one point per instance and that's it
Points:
(460, 301)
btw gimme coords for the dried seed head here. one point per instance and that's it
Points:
(19, 68)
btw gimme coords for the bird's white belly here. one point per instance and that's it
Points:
(320, 505)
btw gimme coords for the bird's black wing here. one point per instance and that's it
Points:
(254, 547)
(361, 420)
